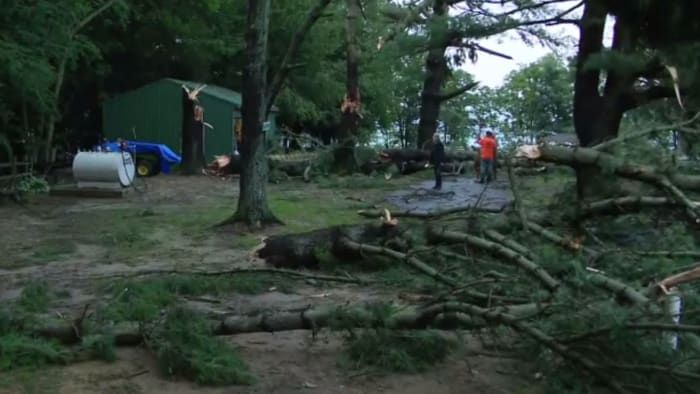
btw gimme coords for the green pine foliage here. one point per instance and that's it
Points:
(386, 350)
(186, 348)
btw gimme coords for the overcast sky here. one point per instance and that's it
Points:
(492, 70)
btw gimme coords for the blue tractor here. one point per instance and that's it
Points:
(151, 158)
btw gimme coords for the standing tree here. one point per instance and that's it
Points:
(632, 72)
(450, 38)
(436, 73)
(351, 106)
(258, 100)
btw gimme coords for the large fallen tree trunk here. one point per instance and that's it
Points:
(670, 182)
(590, 157)
(308, 249)
(626, 204)
(443, 315)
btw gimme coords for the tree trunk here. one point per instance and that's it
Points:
(308, 249)
(192, 138)
(436, 73)
(258, 99)
(597, 116)
(252, 201)
(350, 121)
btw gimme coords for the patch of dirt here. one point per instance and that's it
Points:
(288, 362)
(285, 363)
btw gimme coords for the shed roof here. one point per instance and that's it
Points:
(219, 92)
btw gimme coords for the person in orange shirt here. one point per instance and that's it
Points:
(488, 157)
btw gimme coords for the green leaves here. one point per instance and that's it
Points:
(537, 99)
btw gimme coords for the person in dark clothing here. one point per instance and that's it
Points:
(437, 156)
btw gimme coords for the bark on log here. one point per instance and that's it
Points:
(445, 315)
(575, 157)
(578, 157)
(307, 249)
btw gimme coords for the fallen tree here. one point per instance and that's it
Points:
(309, 249)
(628, 204)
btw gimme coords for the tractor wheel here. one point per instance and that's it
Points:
(144, 168)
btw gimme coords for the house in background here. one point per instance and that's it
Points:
(153, 113)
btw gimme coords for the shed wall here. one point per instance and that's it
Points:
(153, 113)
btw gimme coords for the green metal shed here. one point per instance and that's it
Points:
(153, 113)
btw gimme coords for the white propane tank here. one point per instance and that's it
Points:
(103, 169)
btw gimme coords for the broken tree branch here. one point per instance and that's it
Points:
(570, 244)
(591, 157)
(429, 215)
(457, 92)
(626, 137)
(679, 279)
(409, 260)
(544, 339)
(625, 205)
(514, 257)
(502, 239)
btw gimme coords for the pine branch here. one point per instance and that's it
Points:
(561, 241)
(407, 259)
(510, 255)
(625, 205)
(544, 339)
(590, 157)
(642, 133)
